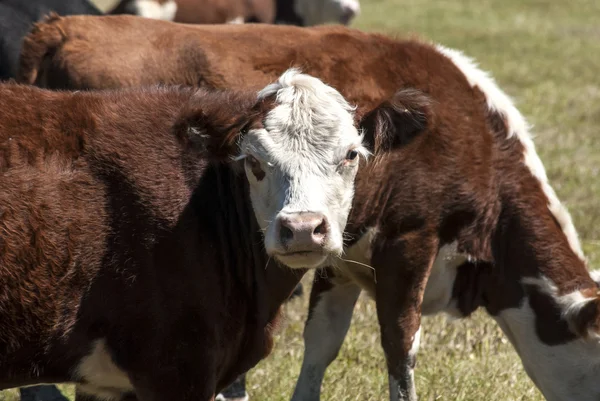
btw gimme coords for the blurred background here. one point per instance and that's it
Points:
(546, 55)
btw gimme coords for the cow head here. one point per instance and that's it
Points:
(300, 153)
(316, 12)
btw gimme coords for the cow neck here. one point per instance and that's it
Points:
(534, 256)
(262, 281)
(528, 242)
(257, 286)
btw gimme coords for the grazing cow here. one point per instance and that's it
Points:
(463, 216)
(130, 256)
(18, 16)
(294, 12)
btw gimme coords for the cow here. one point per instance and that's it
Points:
(17, 18)
(142, 230)
(294, 12)
(459, 218)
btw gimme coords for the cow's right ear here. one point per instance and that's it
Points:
(397, 121)
(214, 122)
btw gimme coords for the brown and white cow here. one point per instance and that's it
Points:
(131, 243)
(462, 216)
(295, 12)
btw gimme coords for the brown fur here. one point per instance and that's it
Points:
(114, 225)
(462, 180)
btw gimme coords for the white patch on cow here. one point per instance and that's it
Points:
(153, 9)
(498, 101)
(438, 292)
(102, 378)
(570, 304)
(237, 20)
(416, 342)
(595, 276)
(324, 334)
(308, 153)
(316, 12)
(221, 397)
(562, 372)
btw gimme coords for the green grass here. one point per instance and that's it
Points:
(546, 55)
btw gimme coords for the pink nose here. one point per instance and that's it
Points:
(301, 232)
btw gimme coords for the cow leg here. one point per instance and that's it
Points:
(332, 301)
(402, 268)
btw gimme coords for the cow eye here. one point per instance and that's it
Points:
(245, 129)
(255, 167)
(352, 154)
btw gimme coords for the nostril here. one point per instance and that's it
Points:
(285, 233)
(321, 229)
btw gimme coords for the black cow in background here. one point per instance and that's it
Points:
(18, 16)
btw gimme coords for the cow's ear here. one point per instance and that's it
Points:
(397, 121)
(214, 123)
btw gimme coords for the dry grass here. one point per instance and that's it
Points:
(546, 55)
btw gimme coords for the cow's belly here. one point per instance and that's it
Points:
(438, 293)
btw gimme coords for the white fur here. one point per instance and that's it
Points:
(416, 342)
(220, 397)
(595, 276)
(237, 20)
(562, 372)
(498, 101)
(324, 334)
(153, 9)
(316, 12)
(302, 150)
(438, 292)
(102, 377)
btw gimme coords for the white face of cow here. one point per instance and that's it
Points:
(316, 12)
(301, 167)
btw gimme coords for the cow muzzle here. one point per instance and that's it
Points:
(302, 239)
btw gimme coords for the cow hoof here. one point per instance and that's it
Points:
(221, 397)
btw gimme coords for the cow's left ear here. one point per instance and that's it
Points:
(396, 121)
(214, 122)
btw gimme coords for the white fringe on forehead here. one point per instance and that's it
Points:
(498, 101)
(293, 87)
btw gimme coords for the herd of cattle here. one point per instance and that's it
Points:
(165, 187)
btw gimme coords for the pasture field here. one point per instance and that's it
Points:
(546, 55)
